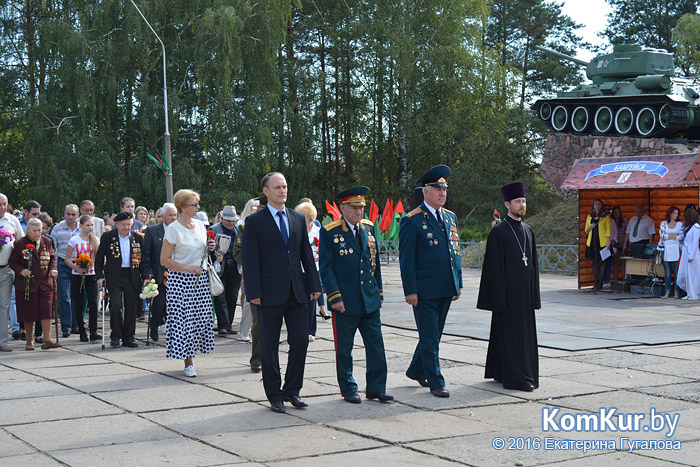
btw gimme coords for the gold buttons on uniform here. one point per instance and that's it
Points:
(361, 271)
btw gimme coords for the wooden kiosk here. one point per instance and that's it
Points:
(657, 182)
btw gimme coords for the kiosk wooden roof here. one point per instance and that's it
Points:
(656, 182)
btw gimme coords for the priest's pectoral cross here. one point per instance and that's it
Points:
(524, 259)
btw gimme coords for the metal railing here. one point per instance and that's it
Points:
(552, 258)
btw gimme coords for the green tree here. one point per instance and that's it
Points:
(646, 22)
(686, 38)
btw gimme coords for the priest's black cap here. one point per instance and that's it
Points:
(435, 176)
(513, 190)
(122, 216)
(354, 196)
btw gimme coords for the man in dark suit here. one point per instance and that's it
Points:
(431, 272)
(119, 263)
(349, 263)
(152, 244)
(275, 246)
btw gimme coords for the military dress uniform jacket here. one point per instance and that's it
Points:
(350, 274)
(425, 251)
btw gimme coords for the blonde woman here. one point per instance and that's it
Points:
(188, 299)
(84, 278)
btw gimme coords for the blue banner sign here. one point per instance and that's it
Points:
(652, 168)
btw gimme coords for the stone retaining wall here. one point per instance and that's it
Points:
(562, 150)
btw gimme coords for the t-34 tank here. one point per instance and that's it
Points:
(634, 92)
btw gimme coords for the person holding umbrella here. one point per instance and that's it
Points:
(33, 260)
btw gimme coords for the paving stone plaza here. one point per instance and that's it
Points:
(83, 406)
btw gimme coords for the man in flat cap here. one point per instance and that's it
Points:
(119, 263)
(225, 304)
(351, 274)
(510, 288)
(431, 272)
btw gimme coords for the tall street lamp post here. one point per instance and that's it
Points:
(166, 137)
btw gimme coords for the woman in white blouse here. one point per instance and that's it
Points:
(188, 298)
(671, 233)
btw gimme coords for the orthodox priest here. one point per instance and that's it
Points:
(510, 288)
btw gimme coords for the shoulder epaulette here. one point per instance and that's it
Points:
(332, 225)
(447, 210)
(367, 222)
(414, 212)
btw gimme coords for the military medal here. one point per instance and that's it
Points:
(350, 250)
(335, 240)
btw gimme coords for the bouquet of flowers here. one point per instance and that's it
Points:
(150, 289)
(83, 261)
(5, 237)
(27, 280)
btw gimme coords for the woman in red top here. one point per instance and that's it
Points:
(34, 261)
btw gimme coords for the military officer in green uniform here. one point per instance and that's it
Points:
(431, 272)
(351, 275)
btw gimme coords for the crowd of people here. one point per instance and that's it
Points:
(280, 260)
(610, 237)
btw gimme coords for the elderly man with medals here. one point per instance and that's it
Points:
(350, 272)
(510, 288)
(431, 272)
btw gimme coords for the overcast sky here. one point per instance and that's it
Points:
(592, 14)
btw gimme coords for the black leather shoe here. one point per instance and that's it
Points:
(440, 392)
(95, 337)
(84, 337)
(296, 401)
(131, 345)
(422, 382)
(141, 317)
(154, 335)
(75, 331)
(353, 398)
(255, 368)
(527, 386)
(15, 335)
(23, 335)
(38, 340)
(115, 344)
(277, 406)
(380, 396)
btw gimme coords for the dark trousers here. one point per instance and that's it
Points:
(370, 327)
(77, 300)
(123, 327)
(225, 304)
(270, 321)
(158, 308)
(255, 354)
(430, 315)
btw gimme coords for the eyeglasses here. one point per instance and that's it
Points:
(195, 205)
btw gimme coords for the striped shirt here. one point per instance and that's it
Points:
(61, 235)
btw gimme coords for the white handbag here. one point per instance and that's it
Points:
(216, 287)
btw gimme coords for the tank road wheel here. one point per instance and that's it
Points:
(646, 121)
(579, 119)
(624, 120)
(560, 117)
(545, 111)
(603, 119)
(665, 115)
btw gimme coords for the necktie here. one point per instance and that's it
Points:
(636, 228)
(357, 236)
(283, 228)
(439, 219)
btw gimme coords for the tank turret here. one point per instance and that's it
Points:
(634, 92)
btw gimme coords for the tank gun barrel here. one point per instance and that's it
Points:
(561, 55)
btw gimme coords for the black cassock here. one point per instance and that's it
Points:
(511, 290)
